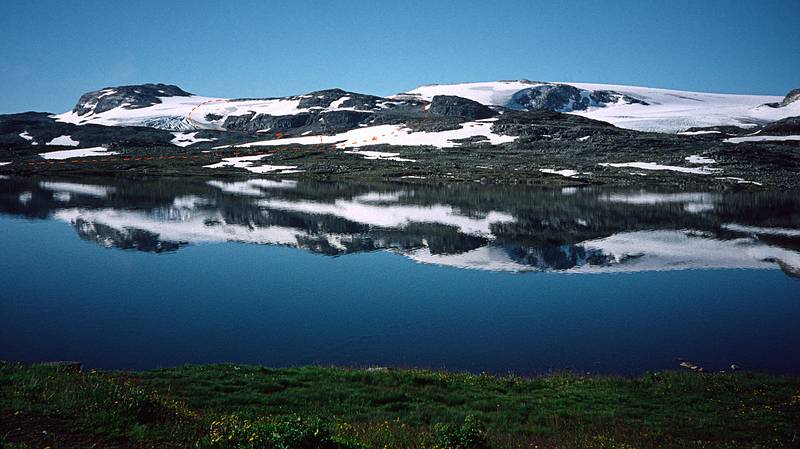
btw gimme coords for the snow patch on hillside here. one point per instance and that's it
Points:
(658, 167)
(567, 173)
(184, 139)
(66, 141)
(248, 163)
(695, 159)
(761, 139)
(81, 152)
(380, 156)
(396, 135)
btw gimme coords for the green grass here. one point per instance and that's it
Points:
(227, 406)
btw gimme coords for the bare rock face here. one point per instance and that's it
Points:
(565, 98)
(791, 97)
(324, 98)
(452, 106)
(789, 126)
(129, 97)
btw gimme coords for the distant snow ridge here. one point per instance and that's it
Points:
(334, 110)
(638, 108)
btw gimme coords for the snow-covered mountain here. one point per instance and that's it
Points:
(442, 115)
(638, 108)
(169, 107)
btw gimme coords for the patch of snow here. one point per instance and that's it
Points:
(695, 159)
(381, 156)
(108, 92)
(566, 172)
(81, 152)
(64, 140)
(246, 162)
(184, 139)
(658, 167)
(738, 180)
(698, 133)
(336, 104)
(395, 135)
(584, 138)
(760, 139)
(26, 136)
(4, 163)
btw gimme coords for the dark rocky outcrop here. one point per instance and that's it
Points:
(789, 126)
(129, 97)
(791, 97)
(565, 98)
(324, 98)
(722, 129)
(315, 121)
(552, 124)
(449, 105)
(335, 121)
(253, 122)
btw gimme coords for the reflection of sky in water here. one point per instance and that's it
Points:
(663, 286)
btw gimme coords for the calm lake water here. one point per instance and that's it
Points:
(500, 279)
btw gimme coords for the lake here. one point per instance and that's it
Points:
(124, 274)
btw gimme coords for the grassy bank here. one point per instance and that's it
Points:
(226, 406)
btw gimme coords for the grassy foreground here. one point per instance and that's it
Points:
(228, 406)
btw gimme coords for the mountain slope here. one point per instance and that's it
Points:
(638, 108)
(174, 109)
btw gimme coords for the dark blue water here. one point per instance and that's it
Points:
(63, 297)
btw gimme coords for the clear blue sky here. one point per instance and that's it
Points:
(52, 51)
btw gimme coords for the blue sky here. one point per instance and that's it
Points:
(52, 51)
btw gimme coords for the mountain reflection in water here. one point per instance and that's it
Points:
(516, 229)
